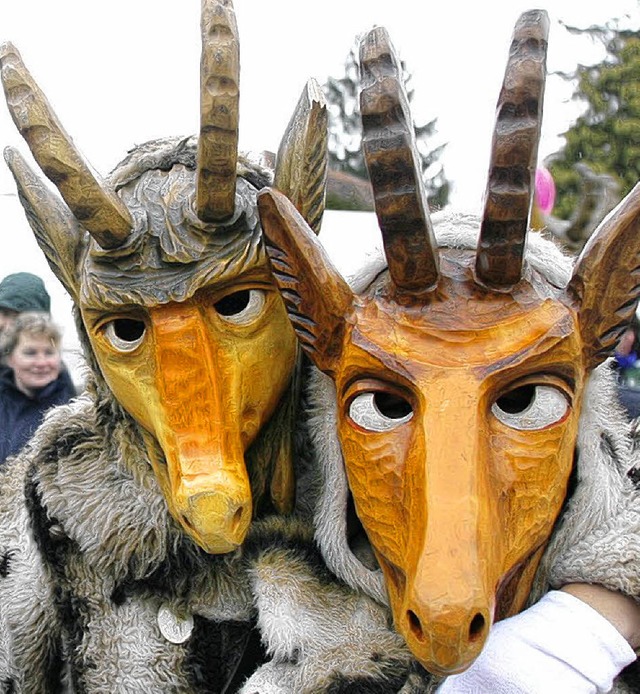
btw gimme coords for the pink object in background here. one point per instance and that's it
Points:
(545, 190)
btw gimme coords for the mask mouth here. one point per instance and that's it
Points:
(507, 590)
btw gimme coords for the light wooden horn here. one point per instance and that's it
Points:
(98, 209)
(392, 159)
(219, 112)
(514, 154)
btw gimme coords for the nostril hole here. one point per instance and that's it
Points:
(414, 625)
(476, 627)
(187, 522)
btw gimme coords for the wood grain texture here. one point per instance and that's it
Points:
(606, 279)
(391, 156)
(316, 296)
(219, 111)
(94, 204)
(56, 229)
(514, 153)
(302, 159)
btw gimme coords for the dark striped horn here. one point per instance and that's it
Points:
(219, 111)
(392, 159)
(95, 205)
(514, 153)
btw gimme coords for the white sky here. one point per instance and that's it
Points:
(121, 72)
(125, 71)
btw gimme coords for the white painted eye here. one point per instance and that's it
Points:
(125, 334)
(241, 308)
(531, 407)
(379, 411)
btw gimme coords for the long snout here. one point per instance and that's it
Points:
(444, 596)
(198, 428)
(446, 615)
(215, 510)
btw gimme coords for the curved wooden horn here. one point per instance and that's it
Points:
(302, 161)
(98, 209)
(392, 160)
(514, 153)
(219, 111)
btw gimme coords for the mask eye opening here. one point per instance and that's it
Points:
(391, 406)
(517, 400)
(125, 334)
(234, 303)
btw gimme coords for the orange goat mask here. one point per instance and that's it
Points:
(459, 373)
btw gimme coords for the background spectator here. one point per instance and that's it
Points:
(627, 362)
(33, 381)
(20, 292)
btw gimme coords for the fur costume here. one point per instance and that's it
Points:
(89, 554)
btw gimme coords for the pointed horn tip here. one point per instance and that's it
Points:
(532, 18)
(378, 32)
(316, 93)
(534, 14)
(10, 154)
(7, 48)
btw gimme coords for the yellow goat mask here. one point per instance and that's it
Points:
(165, 263)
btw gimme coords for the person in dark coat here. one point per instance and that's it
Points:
(33, 381)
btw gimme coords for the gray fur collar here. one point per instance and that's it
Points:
(90, 474)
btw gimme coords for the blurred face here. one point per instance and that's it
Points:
(35, 362)
(626, 342)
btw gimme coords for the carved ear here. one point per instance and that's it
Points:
(56, 230)
(606, 279)
(316, 296)
(302, 161)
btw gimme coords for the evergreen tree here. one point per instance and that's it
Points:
(606, 137)
(345, 133)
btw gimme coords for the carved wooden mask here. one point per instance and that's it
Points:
(459, 373)
(166, 264)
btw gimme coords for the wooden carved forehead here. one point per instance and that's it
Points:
(603, 289)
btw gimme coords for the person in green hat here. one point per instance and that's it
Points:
(22, 292)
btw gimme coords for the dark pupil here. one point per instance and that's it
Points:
(128, 330)
(233, 303)
(517, 400)
(391, 406)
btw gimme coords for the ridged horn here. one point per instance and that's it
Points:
(98, 209)
(392, 159)
(302, 161)
(57, 231)
(219, 111)
(514, 152)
